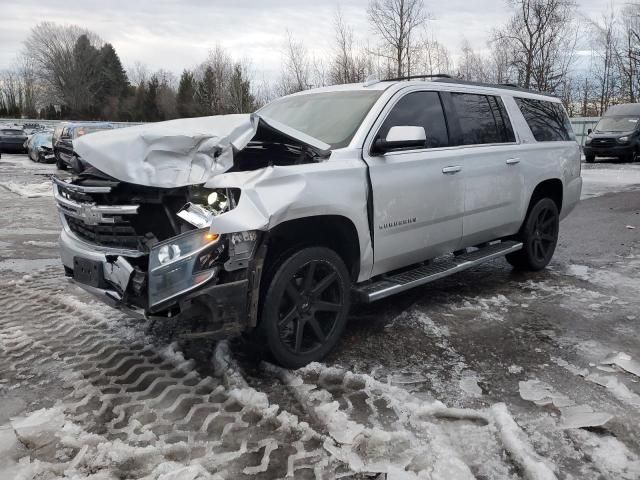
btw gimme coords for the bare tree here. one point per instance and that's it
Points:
(472, 65)
(542, 39)
(604, 49)
(138, 73)
(397, 21)
(431, 57)
(52, 50)
(348, 65)
(296, 68)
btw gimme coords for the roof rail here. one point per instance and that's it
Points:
(412, 77)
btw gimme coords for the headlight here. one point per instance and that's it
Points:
(181, 263)
(217, 200)
(588, 141)
(624, 139)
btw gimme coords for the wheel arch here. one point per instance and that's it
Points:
(333, 231)
(552, 188)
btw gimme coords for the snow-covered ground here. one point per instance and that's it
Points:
(601, 178)
(485, 375)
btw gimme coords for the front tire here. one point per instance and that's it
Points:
(60, 164)
(539, 236)
(305, 306)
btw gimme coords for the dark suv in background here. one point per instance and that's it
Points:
(12, 139)
(64, 136)
(617, 134)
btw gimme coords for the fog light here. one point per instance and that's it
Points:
(168, 253)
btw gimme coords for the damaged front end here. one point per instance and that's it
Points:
(144, 233)
(150, 251)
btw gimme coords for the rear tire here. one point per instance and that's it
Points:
(539, 236)
(590, 158)
(305, 306)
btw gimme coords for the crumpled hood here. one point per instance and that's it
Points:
(169, 154)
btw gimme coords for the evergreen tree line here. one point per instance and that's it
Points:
(66, 72)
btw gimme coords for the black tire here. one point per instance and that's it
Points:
(305, 305)
(631, 157)
(539, 236)
(590, 158)
(60, 164)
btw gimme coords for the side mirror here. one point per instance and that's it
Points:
(401, 137)
(589, 131)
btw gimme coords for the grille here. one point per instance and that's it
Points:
(121, 234)
(603, 142)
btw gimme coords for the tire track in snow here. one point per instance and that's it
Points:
(127, 390)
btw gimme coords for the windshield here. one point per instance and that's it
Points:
(617, 124)
(85, 130)
(332, 117)
(42, 139)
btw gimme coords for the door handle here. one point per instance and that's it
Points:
(513, 161)
(451, 170)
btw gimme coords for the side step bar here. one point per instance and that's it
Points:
(439, 268)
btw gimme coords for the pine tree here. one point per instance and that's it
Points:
(112, 85)
(241, 98)
(206, 92)
(85, 78)
(186, 101)
(138, 104)
(150, 103)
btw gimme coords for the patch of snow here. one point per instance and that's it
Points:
(616, 387)
(583, 416)
(42, 244)
(31, 190)
(515, 369)
(625, 362)
(469, 384)
(604, 277)
(39, 428)
(610, 455)
(24, 265)
(542, 393)
(601, 180)
(488, 308)
(514, 439)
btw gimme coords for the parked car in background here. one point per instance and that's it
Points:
(272, 223)
(12, 140)
(63, 140)
(617, 134)
(40, 147)
(31, 128)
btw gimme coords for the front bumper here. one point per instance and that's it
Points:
(609, 151)
(226, 303)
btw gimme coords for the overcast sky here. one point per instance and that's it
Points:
(174, 35)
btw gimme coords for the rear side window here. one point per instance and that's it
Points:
(547, 120)
(482, 119)
(419, 109)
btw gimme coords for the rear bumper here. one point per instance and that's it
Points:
(571, 196)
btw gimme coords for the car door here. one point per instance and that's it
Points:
(65, 147)
(418, 194)
(490, 160)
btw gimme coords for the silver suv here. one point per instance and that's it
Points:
(272, 223)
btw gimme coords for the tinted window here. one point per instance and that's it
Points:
(477, 119)
(419, 109)
(502, 118)
(547, 120)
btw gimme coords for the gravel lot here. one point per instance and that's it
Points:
(489, 374)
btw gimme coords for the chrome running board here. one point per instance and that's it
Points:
(438, 268)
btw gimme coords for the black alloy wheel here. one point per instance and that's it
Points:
(539, 236)
(305, 307)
